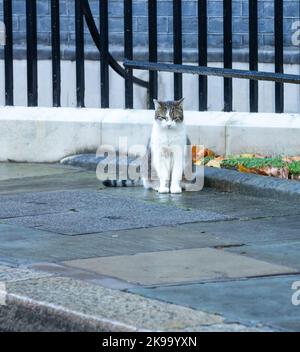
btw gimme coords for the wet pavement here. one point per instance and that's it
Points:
(223, 254)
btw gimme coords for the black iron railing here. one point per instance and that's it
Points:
(8, 53)
(101, 41)
(56, 69)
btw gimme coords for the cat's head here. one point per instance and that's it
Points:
(169, 114)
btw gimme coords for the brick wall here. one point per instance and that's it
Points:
(215, 22)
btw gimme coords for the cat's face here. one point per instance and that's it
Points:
(169, 114)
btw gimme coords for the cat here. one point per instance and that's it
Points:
(163, 165)
(166, 148)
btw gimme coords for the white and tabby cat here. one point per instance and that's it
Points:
(167, 144)
(164, 163)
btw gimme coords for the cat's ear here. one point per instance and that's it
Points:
(179, 103)
(157, 104)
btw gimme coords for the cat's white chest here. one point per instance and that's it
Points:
(164, 138)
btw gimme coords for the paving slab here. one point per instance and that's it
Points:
(26, 245)
(62, 222)
(38, 203)
(19, 245)
(11, 171)
(8, 274)
(93, 212)
(231, 204)
(286, 253)
(281, 228)
(179, 266)
(60, 270)
(66, 181)
(266, 300)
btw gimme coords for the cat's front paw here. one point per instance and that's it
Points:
(163, 190)
(176, 190)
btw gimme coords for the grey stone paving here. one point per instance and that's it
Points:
(286, 253)
(65, 181)
(61, 221)
(265, 300)
(179, 266)
(253, 231)
(19, 245)
(11, 275)
(21, 171)
(93, 212)
(230, 204)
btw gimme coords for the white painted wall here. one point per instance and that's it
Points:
(50, 134)
(215, 90)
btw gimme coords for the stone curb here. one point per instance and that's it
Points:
(23, 314)
(252, 185)
(34, 302)
(222, 180)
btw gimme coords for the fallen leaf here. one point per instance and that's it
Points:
(209, 153)
(248, 156)
(290, 159)
(262, 171)
(215, 162)
(197, 154)
(245, 170)
(278, 172)
(259, 156)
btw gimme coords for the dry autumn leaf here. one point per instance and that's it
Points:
(262, 171)
(278, 172)
(290, 159)
(247, 156)
(215, 162)
(199, 154)
(245, 170)
(283, 168)
(209, 153)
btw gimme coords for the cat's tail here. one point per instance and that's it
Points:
(147, 184)
(123, 183)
